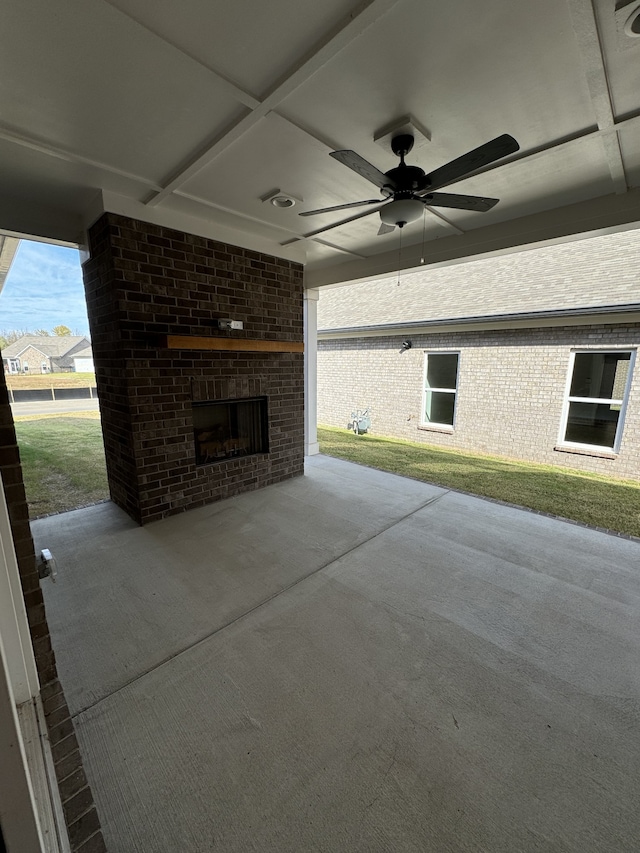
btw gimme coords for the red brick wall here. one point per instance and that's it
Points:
(77, 801)
(23, 543)
(143, 282)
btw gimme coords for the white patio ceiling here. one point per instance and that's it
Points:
(187, 114)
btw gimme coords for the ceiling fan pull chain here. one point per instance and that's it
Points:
(424, 233)
(400, 254)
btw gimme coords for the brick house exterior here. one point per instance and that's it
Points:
(43, 354)
(514, 349)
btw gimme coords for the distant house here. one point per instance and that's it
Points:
(83, 361)
(44, 354)
(528, 355)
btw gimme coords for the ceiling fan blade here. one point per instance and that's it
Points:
(343, 222)
(462, 202)
(385, 229)
(362, 167)
(472, 160)
(341, 206)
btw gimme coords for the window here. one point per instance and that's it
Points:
(596, 398)
(440, 385)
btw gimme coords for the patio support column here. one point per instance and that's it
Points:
(311, 446)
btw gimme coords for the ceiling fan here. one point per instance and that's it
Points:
(407, 190)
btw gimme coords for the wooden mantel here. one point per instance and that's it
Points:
(231, 344)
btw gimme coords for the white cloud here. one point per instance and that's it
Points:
(44, 289)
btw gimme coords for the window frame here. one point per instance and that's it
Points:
(425, 424)
(568, 399)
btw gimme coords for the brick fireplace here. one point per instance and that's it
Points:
(154, 297)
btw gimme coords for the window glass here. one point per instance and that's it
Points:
(439, 407)
(597, 398)
(441, 377)
(442, 370)
(602, 375)
(592, 423)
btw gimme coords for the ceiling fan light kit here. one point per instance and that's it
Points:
(407, 190)
(401, 212)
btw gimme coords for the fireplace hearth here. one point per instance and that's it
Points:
(228, 429)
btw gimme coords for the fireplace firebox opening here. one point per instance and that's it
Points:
(227, 429)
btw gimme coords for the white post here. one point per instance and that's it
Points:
(14, 625)
(18, 815)
(311, 446)
(18, 684)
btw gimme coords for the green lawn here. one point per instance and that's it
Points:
(63, 464)
(62, 461)
(590, 498)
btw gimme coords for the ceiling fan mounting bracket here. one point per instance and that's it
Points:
(402, 144)
(406, 124)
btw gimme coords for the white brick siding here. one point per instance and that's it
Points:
(511, 386)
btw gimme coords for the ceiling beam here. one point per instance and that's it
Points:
(232, 88)
(442, 220)
(24, 141)
(532, 154)
(529, 155)
(585, 26)
(223, 209)
(344, 33)
(330, 245)
(222, 228)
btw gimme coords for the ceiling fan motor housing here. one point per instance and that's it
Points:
(405, 181)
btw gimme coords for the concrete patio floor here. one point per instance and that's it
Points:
(351, 661)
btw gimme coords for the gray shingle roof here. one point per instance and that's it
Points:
(50, 345)
(85, 352)
(595, 272)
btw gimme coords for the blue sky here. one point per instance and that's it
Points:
(44, 289)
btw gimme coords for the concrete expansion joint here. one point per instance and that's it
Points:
(266, 601)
